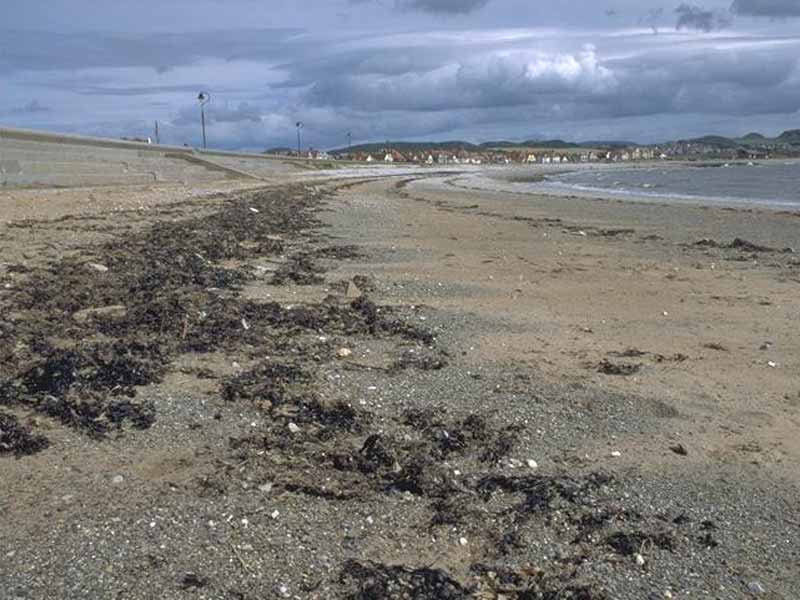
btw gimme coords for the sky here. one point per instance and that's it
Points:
(476, 70)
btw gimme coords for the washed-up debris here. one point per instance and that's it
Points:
(715, 346)
(193, 581)
(607, 367)
(679, 449)
(742, 245)
(376, 581)
(18, 439)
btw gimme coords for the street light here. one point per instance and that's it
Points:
(299, 126)
(349, 140)
(203, 98)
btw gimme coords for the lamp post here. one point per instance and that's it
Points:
(299, 126)
(203, 98)
(349, 140)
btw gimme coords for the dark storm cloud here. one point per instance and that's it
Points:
(766, 8)
(579, 85)
(34, 50)
(699, 19)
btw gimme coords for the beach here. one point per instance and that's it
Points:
(396, 387)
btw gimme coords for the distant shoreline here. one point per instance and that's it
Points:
(540, 182)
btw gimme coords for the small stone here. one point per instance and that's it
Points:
(532, 464)
(772, 364)
(639, 559)
(117, 479)
(265, 488)
(755, 588)
(344, 352)
(667, 594)
(463, 541)
(254, 210)
(616, 454)
(245, 324)
(294, 428)
(370, 520)
(97, 267)
(353, 291)
(275, 514)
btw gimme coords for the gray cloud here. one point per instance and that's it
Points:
(699, 19)
(443, 6)
(652, 18)
(40, 50)
(32, 107)
(244, 112)
(766, 8)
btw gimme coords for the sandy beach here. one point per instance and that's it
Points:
(396, 387)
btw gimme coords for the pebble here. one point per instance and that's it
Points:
(639, 559)
(755, 587)
(616, 454)
(294, 428)
(463, 541)
(344, 352)
(117, 479)
(265, 488)
(275, 514)
(532, 464)
(98, 267)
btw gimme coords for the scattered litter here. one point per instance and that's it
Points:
(679, 449)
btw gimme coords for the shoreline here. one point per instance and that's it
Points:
(527, 184)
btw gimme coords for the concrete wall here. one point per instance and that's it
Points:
(41, 159)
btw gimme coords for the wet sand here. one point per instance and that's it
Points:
(424, 392)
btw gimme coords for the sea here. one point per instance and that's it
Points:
(773, 184)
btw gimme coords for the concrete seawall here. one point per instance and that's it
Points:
(43, 159)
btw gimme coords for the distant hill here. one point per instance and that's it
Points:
(714, 140)
(607, 144)
(456, 145)
(792, 136)
(452, 145)
(756, 139)
(280, 150)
